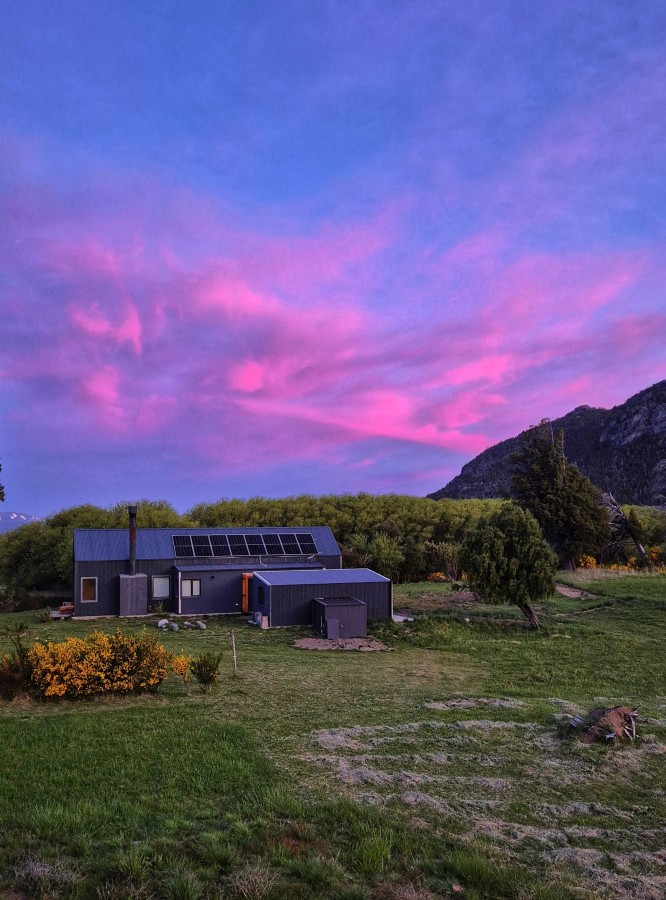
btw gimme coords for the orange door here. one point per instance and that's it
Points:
(247, 578)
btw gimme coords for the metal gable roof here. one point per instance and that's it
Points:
(320, 576)
(105, 544)
(243, 567)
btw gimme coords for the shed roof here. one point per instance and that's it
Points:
(103, 544)
(321, 576)
(243, 567)
(340, 601)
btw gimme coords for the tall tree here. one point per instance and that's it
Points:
(507, 561)
(567, 506)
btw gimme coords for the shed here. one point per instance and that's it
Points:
(286, 597)
(340, 617)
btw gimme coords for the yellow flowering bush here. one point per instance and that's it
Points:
(181, 666)
(101, 663)
(437, 577)
(587, 562)
(655, 554)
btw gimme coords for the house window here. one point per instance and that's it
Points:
(89, 590)
(161, 587)
(190, 587)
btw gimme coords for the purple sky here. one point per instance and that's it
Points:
(272, 248)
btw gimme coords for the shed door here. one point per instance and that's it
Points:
(247, 578)
(332, 629)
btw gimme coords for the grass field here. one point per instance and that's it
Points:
(436, 769)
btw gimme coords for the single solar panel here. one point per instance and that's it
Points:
(238, 545)
(220, 545)
(306, 543)
(182, 545)
(273, 544)
(290, 544)
(201, 544)
(255, 544)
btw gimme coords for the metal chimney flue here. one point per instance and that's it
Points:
(132, 539)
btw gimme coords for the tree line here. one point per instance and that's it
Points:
(403, 537)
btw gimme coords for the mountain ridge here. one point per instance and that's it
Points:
(10, 520)
(622, 450)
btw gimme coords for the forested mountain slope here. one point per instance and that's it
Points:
(622, 450)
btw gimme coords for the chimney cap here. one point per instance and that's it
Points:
(131, 510)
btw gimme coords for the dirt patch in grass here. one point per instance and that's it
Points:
(567, 591)
(362, 644)
(428, 602)
(471, 702)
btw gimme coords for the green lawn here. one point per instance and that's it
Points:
(349, 775)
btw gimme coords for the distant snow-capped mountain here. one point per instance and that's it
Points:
(9, 520)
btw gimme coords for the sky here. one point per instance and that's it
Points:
(258, 248)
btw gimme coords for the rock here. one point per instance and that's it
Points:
(202, 625)
(174, 627)
(163, 623)
(188, 625)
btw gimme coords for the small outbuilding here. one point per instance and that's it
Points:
(287, 597)
(339, 617)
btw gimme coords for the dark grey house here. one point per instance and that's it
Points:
(188, 571)
(287, 597)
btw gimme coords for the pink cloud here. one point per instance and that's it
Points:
(248, 377)
(94, 323)
(251, 350)
(101, 388)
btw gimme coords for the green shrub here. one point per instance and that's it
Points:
(206, 669)
(12, 680)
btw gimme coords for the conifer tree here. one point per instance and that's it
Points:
(507, 561)
(565, 503)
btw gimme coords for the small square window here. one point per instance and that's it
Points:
(161, 587)
(89, 590)
(190, 587)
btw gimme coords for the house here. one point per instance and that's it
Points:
(274, 573)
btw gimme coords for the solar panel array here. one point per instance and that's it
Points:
(185, 545)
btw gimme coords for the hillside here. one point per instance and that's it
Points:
(622, 450)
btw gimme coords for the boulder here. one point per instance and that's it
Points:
(163, 623)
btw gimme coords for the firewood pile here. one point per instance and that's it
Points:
(606, 724)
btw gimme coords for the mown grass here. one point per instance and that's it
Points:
(334, 775)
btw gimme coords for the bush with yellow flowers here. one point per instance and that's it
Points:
(437, 578)
(587, 562)
(101, 663)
